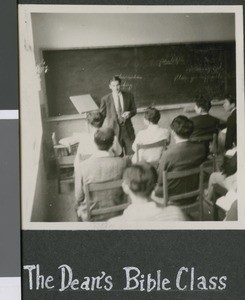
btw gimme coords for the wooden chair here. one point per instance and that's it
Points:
(197, 192)
(103, 213)
(161, 143)
(212, 139)
(64, 163)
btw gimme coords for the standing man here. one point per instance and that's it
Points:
(118, 108)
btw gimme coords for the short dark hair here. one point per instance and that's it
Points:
(104, 138)
(203, 103)
(115, 78)
(182, 126)
(152, 115)
(231, 98)
(141, 179)
(95, 118)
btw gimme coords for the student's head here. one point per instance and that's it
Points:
(229, 103)
(104, 138)
(115, 84)
(182, 127)
(95, 119)
(151, 116)
(140, 180)
(203, 105)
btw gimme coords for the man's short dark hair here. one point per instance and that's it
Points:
(141, 179)
(104, 138)
(203, 103)
(95, 118)
(115, 78)
(152, 115)
(231, 98)
(182, 126)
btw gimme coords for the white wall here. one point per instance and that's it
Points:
(93, 30)
(30, 122)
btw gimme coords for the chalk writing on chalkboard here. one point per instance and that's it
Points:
(155, 74)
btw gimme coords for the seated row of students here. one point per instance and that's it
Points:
(103, 166)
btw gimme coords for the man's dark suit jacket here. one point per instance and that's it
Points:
(204, 125)
(231, 133)
(180, 157)
(108, 111)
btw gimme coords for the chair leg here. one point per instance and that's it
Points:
(201, 211)
(58, 180)
(215, 213)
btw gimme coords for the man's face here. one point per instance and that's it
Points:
(115, 86)
(198, 110)
(228, 106)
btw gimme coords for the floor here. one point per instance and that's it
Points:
(61, 206)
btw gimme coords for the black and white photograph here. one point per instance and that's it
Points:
(131, 117)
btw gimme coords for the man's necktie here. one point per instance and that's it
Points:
(119, 107)
(119, 110)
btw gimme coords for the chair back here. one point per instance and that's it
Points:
(54, 139)
(212, 139)
(64, 162)
(103, 208)
(161, 143)
(196, 192)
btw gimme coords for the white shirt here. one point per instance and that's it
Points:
(152, 134)
(115, 98)
(149, 212)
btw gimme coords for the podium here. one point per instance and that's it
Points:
(84, 104)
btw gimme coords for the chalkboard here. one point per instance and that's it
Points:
(156, 74)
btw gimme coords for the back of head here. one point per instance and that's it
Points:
(141, 179)
(203, 103)
(95, 119)
(104, 138)
(152, 115)
(182, 126)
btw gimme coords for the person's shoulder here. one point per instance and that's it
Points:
(213, 118)
(127, 94)
(107, 96)
(141, 133)
(233, 114)
(194, 118)
(197, 147)
(163, 131)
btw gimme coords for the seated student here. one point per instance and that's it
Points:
(153, 133)
(100, 167)
(87, 145)
(231, 214)
(231, 129)
(228, 203)
(227, 176)
(183, 155)
(204, 124)
(138, 183)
